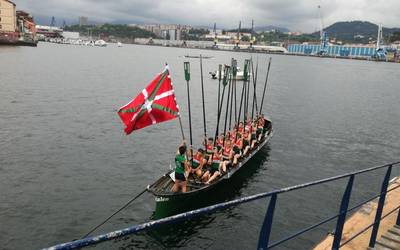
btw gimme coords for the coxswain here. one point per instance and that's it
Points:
(181, 167)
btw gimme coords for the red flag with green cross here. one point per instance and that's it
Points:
(155, 104)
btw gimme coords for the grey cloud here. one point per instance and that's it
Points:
(295, 14)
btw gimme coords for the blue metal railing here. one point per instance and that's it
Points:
(267, 224)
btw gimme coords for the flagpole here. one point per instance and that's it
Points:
(180, 124)
(265, 86)
(204, 108)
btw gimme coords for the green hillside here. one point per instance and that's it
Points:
(357, 31)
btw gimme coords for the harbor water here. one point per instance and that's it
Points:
(65, 163)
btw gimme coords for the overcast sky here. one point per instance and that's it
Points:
(297, 15)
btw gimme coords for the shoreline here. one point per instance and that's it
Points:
(268, 52)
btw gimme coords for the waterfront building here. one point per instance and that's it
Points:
(48, 31)
(171, 31)
(83, 21)
(16, 27)
(334, 50)
(25, 23)
(8, 17)
(219, 37)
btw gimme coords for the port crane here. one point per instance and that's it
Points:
(380, 52)
(238, 37)
(215, 46)
(323, 36)
(252, 37)
(53, 22)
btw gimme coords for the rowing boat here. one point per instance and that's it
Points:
(157, 103)
(166, 200)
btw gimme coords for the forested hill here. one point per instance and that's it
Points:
(357, 31)
(116, 30)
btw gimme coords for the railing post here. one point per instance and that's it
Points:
(267, 225)
(342, 214)
(379, 209)
(398, 218)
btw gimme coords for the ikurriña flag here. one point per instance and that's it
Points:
(155, 104)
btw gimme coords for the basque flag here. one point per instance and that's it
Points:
(155, 104)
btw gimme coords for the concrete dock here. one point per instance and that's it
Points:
(388, 235)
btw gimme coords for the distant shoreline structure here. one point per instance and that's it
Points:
(16, 27)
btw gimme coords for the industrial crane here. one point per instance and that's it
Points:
(323, 49)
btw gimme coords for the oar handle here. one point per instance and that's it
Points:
(186, 67)
(219, 72)
(234, 67)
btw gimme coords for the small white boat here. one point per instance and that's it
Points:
(100, 43)
(119, 44)
(239, 75)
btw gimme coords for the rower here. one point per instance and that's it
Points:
(237, 148)
(220, 140)
(227, 155)
(253, 135)
(260, 127)
(213, 172)
(209, 146)
(241, 127)
(198, 162)
(233, 134)
(181, 167)
(227, 136)
(246, 142)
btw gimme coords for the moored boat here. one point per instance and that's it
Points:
(100, 43)
(239, 75)
(195, 56)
